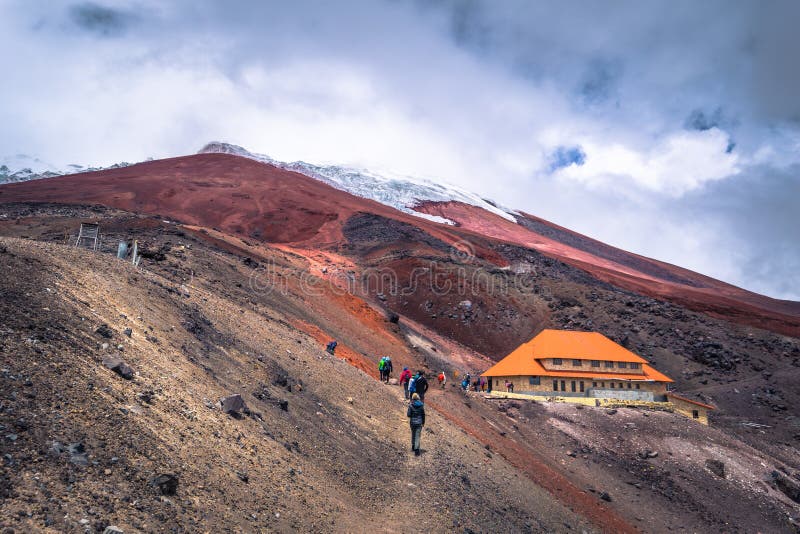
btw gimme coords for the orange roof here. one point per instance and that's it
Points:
(698, 403)
(557, 344)
(569, 344)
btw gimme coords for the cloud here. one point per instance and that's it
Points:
(618, 119)
(100, 20)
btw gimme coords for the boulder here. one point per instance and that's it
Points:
(232, 404)
(77, 454)
(111, 529)
(789, 487)
(393, 382)
(128, 332)
(120, 367)
(105, 331)
(166, 483)
(716, 467)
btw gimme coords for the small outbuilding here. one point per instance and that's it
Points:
(690, 408)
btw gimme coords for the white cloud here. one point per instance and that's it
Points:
(681, 162)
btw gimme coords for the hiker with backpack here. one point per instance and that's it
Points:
(421, 385)
(442, 378)
(331, 348)
(382, 368)
(416, 416)
(405, 378)
(387, 368)
(412, 385)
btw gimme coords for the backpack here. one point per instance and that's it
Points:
(412, 384)
(382, 364)
(421, 386)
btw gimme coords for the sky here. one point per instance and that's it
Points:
(670, 129)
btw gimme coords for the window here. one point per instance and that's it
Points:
(594, 384)
(622, 365)
(556, 361)
(563, 385)
(635, 366)
(695, 414)
(629, 385)
(612, 385)
(534, 380)
(573, 386)
(602, 384)
(555, 385)
(581, 384)
(576, 363)
(609, 364)
(638, 386)
(595, 363)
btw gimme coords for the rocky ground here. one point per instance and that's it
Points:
(322, 445)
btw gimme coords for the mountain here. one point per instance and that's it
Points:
(249, 269)
(22, 168)
(401, 192)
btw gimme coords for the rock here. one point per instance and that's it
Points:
(716, 467)
(167, 484)
(284, 404)
(105, 331)
(605, 496)
(465, 304)
(232, 404)
(111, 529)
(646, 454)
(120, 367)
(128, 332)
(612, 411)
(789, 487)
(77, 454)
(394, 318)
(393, 382)
(571, 454)
(243, 476)
(350, 400)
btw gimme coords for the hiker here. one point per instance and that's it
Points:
(387, 368)
(412, 384)
(331, 348)
(476, 384)
(421, 385)
(483, 383)
(465, 384)
(442, 378)
(405, 377)
(508, 386)
(416, 416)
(382, 368)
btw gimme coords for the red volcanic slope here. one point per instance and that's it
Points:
(247, 198)
(626, 270)
(230, 193)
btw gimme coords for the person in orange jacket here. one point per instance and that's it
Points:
(442, 378)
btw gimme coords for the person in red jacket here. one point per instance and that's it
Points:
(405, 377)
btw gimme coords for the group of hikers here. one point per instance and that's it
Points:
(414, 388)
(479, 384)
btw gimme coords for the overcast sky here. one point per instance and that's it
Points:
(671, 129)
